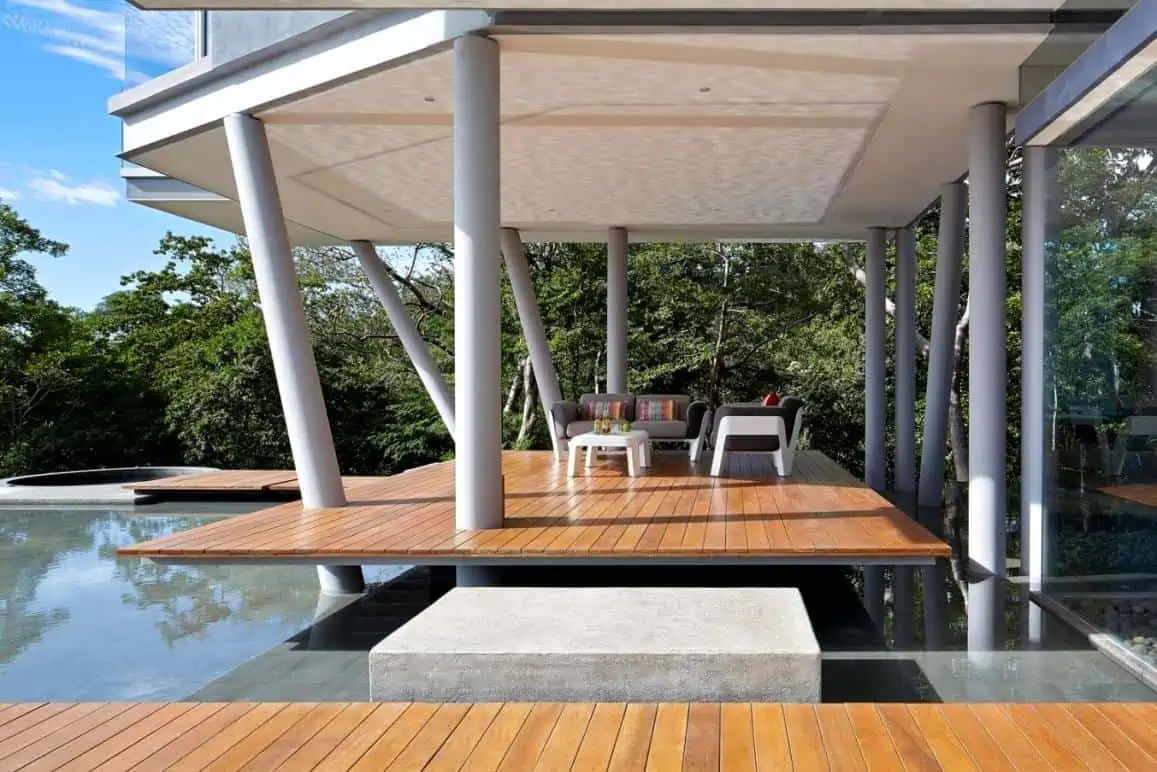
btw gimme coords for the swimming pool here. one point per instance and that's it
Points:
(77, 623)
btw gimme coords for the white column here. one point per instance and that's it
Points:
(532, 327)
(875, 399)
(987, 387)
(298, 384)
(403, 325)
(946, 300)
(905, 361)
(904, 581)
(1034, 216)
(617, 310)
(477, 298)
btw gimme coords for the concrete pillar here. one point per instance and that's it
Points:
(532, 328)
(904, 577)
(403, 325)
(294, 366)
(946, 300)
(477, 297)
(617, 310)
(1036, 177)
(875, 399)
(987, 386)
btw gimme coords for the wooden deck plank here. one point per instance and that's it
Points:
(349, 749)
(737, 738)
(839, 738)
(772, 748)
(701, 748)
(1012, 741)
(523, 753)
(804, 737)
(313, 749)
(517, 736)
(561, 747)
(676, 510)
(874, 739)
(599, 740)
(668, 737)
(499, 736)
(634, 738)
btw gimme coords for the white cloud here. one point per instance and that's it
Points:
(8, 195)
(54, 185)
(149, 41)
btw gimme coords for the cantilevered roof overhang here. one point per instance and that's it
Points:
(1114, 78)
(716, 130)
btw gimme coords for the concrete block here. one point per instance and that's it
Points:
(602, 644)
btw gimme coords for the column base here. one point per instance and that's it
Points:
(341, 580)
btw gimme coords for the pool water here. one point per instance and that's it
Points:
(77, 623)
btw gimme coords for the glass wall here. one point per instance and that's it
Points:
(1101, 387)
(157, 42)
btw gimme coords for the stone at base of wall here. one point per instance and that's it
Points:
(499, 644)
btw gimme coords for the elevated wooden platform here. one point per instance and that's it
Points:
(676, 512)
(228, 481)
(551, 736)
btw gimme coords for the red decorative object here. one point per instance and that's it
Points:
(771, 400)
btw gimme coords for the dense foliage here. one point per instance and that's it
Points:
(174, 367)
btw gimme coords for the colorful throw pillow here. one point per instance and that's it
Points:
(607, 408)
(656, 410)
(771, 400)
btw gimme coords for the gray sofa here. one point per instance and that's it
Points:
(685, 427)
(751, 428)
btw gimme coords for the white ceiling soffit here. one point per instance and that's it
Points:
(677, 137)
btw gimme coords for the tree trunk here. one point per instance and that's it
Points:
(958, 435)
(515, 385)
(529, 402)
(715, 381)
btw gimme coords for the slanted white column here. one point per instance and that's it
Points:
(617, 310)
(403, 325)
(294, 366)
(946, 300)
(875, 399)
(904, 483)
(987, 387)
(532, 328)
(477, 298)
(1036, 178)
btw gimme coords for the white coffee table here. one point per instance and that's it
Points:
(636, 442)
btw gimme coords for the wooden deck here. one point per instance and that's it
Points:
(525, 736)
(676, 512)
(1138, 493)
(241, 481)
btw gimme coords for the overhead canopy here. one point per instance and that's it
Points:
(687, 136)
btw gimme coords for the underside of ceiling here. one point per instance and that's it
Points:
(676, 137)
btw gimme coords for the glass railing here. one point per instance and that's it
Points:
(157, 42)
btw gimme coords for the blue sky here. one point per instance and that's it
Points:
(62, 60)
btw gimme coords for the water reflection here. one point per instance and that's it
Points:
(76, 623)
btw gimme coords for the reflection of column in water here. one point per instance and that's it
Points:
(1032, 620)
(328, 621)
(934, 578)
(904, 607)
(985, 614)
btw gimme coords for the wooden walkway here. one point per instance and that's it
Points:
(241, 481)
(676, 512)
(525, 736)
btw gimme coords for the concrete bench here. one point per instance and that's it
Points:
(483, 644)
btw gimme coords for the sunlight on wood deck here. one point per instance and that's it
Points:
(518, 736)
(675, 512)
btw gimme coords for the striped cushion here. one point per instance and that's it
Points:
(604, 408)
(656, 410)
